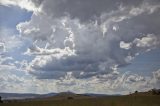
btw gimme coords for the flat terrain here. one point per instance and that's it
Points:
(134, 100)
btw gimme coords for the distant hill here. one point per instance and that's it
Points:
(10, 96)
(61, 95)
(101, 95)
(18, 96)
(68, 95)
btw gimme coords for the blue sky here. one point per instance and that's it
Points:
(145, 63)
(9, 18)
(12, 15)
(84, 47)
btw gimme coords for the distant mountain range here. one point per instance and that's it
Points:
(20, 96)
(10, 96)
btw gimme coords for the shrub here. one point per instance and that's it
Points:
(136, 92)
(1, 100)
(156, 91)
(70, 98)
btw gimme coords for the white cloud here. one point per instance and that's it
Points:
(72, 43)
(106, 84)
(156, 79)
(157, 75)
(8, 68)
(24, 4)
(80, 47)
(143, 8)
(125, 45)
(147, 41)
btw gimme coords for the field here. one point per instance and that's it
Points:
(96, 101)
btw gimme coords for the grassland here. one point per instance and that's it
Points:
(97, 101)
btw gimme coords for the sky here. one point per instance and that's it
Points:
(82, 46)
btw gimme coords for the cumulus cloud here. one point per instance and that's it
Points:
(113, 83)
(143, 44)
(148, 41)
(107, 84)
(125, 45)
(156, 79)
(24, 4)
(6, 68)
(80, 45)
(89, 40)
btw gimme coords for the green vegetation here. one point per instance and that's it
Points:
(134, 100)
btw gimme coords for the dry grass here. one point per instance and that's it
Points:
(101, 101)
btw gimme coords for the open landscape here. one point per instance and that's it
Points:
(79, 52)
(71, 99)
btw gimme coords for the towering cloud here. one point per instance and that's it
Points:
(83, 43)
(89, 38)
